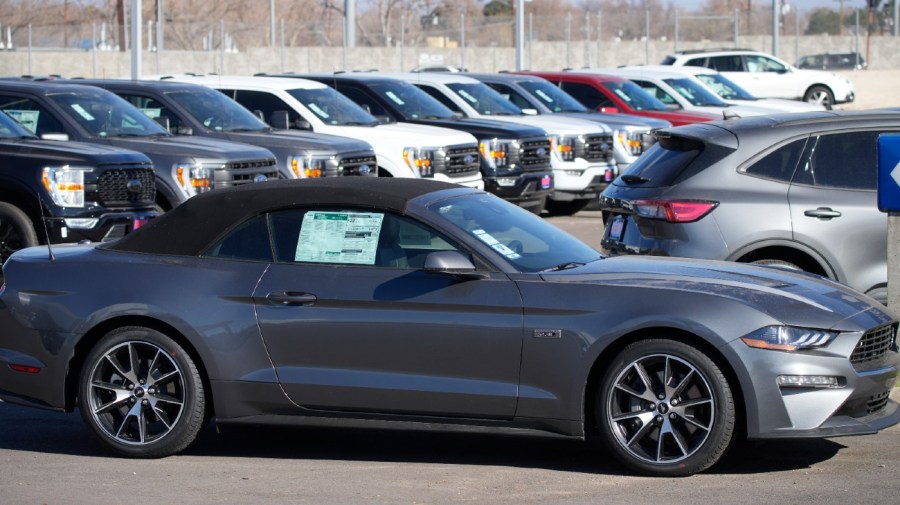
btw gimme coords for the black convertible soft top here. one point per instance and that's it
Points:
(192, 226)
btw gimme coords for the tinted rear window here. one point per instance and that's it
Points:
(662, 164)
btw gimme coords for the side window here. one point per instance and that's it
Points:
(363, 99)
(699, 62)
(588, 95)
(265, 102)
(249, 241)
(353, 237)
(444, 99)
(726, 63)
(656, 92)
(842, 160)
(153, 109)
(780, 164)
(511, 95)
(30, 114)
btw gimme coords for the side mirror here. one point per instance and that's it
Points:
(453, 263)
(184, 130)
(164, 122)
(530, 112)
(384, 119)
(279, 120)
(608, 110)
(302, 124)
(673, 106)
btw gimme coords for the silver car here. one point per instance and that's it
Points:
(794, 190)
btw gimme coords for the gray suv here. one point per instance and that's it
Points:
(794, 190)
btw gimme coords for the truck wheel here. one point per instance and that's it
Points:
(16, 231)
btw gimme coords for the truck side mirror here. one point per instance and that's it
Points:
(279, 120)
(164, 122)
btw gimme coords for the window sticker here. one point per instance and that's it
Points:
(495, 244)
(83, 113)
(318, 110)
(339, 237)
(152, 113)
(26, 118)
(621, 94)
(465, 94)
(393, 96)
(543, 96)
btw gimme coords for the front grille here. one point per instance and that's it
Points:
(459, 161)
(236, 173)
(877, 402)
(355, 166)
(124, 186)
(595, 148)
(873, 346)
(534, 155)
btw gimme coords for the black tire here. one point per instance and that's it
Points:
(665, 409)
(819, 95)
(787, 265)
(569, 208)
(16, 231)
(140, 394)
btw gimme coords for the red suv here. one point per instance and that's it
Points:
(608, 93)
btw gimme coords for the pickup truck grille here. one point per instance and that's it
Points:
(365, 166)
(873, 347)
(534, 154)
(595, 148)
(459, 161)
(236, 173)
(123, 186)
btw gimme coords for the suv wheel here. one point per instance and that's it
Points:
(819, 95)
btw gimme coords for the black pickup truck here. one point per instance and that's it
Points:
(192, 109)
(184, 166)
(68, 191)
(515, 159)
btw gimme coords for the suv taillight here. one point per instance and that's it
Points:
(674, 211)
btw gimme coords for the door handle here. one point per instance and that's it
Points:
(824, 213)
(290, 298)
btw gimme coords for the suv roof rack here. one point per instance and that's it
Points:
(713, 50)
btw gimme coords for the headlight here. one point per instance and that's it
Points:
(307, 167)
(65, 184)
(564, 147)
(789, 338)
(495, 152)
(420, 160)
(632, 141)
(194, 178)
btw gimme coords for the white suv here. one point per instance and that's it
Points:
(766, 76)
(402, 149)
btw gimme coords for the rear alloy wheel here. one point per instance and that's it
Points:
(141, 394)
(819, 95)
(562, 208)
(16, 231)
(665, 409)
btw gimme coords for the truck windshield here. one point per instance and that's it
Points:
(412, 102)
(725, 87)
(216, 111)
(552, 97)
(634, 96)
(10, 129)
(104, 114)
(695, 92)
(484, 99)
(332, 107)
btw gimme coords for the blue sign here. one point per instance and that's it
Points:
(889, 172)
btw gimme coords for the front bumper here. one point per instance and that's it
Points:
(522, 189)
(108, 226)
(470, 181)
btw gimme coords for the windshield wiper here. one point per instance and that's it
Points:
(565, 266)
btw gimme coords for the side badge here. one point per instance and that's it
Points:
(547, 333)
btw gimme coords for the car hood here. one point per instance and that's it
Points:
(616, 121)
(301, 140)
(556, 125)
(793, 298)
(192, 146)
(72, 152)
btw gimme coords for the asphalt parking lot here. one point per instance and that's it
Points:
(50, 458)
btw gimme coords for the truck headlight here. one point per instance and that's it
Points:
(789, 338)
(564, 147)
(194, 178)
(632, 141)
(420, 160)
(65, 184)
(495, 152)
(307, 167)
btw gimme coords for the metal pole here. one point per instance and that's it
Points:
(856, 32)
(160, 32)
(587, 40)
(599, 39)
(520, 34)
(568, 39)
(349, 23)
(462, 40)
(93, 50)
(896, 17)
(676, 29)
(776, 9)
(647, 42)
(135, 39)
(530, 40)
(149, 35)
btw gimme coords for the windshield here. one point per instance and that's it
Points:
(104, 114)
(10, 129)
(484, 99)
(333, 108)
(634, 96)
(695, 92)
(554, 98)
(216, 111)
(519, 237)
(725, 87)
(411, 101)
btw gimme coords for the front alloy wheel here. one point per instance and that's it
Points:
(141, 394)
(666, 409)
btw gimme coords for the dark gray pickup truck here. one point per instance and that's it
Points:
(184, 166)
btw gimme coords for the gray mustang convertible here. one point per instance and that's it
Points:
(413, 300)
